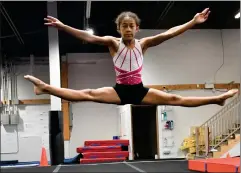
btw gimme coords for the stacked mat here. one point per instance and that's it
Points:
(104, 151)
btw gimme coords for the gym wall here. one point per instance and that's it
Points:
(32, 129)
(91, 121)
(192, 57)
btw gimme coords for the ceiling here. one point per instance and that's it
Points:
(28, 19)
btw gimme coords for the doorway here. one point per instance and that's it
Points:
(144, 132)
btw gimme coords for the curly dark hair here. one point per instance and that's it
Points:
(124, 14)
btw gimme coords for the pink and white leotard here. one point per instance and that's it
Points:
(128, 64)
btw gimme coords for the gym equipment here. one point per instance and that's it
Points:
(98, 149)
(104, 151)
(116, 154)
(215, 165)
(107, 143)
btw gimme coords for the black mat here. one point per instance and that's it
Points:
(155, 166)
(29, 169)
(121, 167)
(163, 166)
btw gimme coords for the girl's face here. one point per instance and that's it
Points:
(128, 28)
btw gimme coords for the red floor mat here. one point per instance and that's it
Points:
(215, 165)
(197, 165)
(107, 142)
(101, 160)
(224, 165)
(98, 149)
(117, 154)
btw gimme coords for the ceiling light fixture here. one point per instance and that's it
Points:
(90, 31)
(237, 16)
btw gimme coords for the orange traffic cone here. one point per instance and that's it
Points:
(44, 160)
(228, 156)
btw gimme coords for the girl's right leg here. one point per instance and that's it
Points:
(100, 95)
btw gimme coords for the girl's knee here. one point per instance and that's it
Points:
(93, 94)
(174, 99)
(87, 94)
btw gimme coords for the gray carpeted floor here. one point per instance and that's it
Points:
(144, 166)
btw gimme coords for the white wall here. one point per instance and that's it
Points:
(126, 127)
(24, 141)
(190, 58)
(91, 121)
(193, 57)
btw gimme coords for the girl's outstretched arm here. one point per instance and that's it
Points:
(175, 31)
(80, 34)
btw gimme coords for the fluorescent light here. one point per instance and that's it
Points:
(90, 31)
(237, 16)
(88, 7)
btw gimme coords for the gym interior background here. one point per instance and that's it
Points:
(208, 53)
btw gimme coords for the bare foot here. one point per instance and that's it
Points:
(39, 86)
(227, 95)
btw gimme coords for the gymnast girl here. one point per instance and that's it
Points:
(127, 54)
